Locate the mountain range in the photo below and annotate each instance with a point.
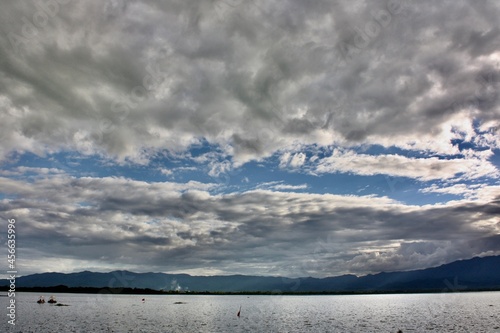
(472, 274)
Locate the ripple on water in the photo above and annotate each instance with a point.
(370, 313)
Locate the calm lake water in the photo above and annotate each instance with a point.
(467, 312)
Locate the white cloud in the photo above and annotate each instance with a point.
(285, 159)
(218, 168)
(166, 172)
(295, 160)
(298, 160)
(424, 169)
(465, 190)
(281, 187)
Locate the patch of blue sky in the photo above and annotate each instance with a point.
(495, 158)
(398, 188)
(264, 174)
(462, 144)
(201, 148)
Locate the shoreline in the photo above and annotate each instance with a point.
(146, 291)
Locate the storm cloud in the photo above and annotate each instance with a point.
(293, 91)
(182, 227)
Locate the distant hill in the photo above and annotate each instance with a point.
(476, 273)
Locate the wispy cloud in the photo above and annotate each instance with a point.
(425, 168)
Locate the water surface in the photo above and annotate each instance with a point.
(456, 312)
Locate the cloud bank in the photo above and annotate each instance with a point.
(117, 222)
(301, 98)
(126, 79)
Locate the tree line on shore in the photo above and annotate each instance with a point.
(147, 291)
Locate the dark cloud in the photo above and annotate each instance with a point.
(253, 80)
(118, 77)
(122, 222)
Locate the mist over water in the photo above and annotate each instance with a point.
(457, 312)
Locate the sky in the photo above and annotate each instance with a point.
(292, 138)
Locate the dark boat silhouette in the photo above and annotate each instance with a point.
(41, 300)
(52, 300)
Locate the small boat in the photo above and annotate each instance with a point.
(41, 300)
(52, 300)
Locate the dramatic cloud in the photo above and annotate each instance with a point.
(216, 136)
(127, 78)
(116, 222)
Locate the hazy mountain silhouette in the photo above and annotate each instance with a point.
(476, 273)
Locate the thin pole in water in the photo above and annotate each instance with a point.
(239, 312)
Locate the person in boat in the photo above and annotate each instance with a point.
(41, 300)
(52, 300)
